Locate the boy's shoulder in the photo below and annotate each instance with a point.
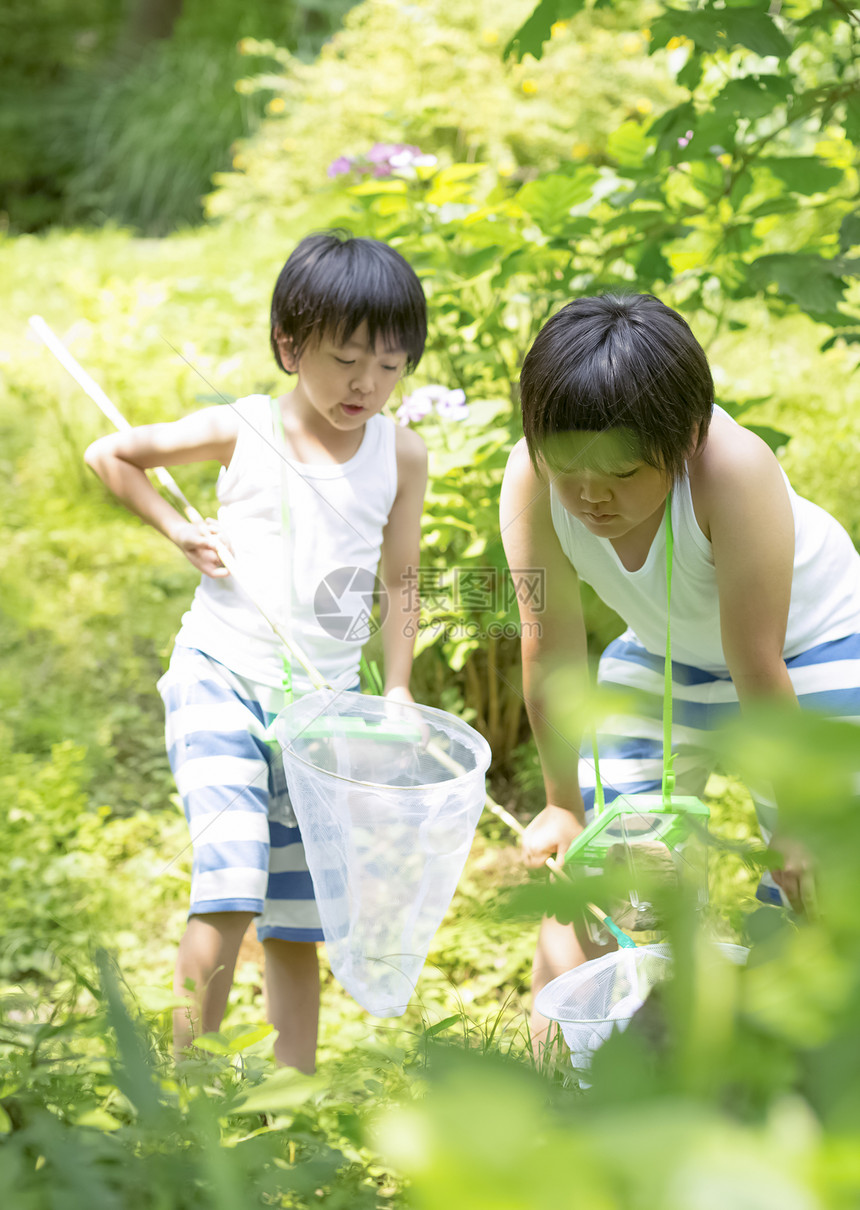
(520, 471)
(733, 471)
(409, 448)
(729, 456)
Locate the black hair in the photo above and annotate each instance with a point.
(618, 362)
(333, 281)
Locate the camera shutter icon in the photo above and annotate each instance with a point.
(344, 601)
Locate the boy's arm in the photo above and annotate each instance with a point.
(750, 523)
(751, 527)
(401, 553)
(121, 459)
(553, 638)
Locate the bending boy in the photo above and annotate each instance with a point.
(618, 410)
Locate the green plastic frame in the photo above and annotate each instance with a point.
(673, 825)
(346, 727)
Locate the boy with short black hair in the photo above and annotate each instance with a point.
(311, 483)
(619, 418)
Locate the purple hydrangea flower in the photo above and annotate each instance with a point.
(382, 160)
(453, 406)
(450, 405)
(340, 166)
(414, 407)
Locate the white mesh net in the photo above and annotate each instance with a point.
(386, 825)
(600, 996)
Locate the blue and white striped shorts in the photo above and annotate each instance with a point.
(248, 853)
(826, 679)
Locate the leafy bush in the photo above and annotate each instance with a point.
(752, 1096)
(431, 75)
(101, 126)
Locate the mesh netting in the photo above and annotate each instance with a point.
(387, 808)
(600, 996)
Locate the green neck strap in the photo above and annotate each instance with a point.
(668, 757)
(278, 426)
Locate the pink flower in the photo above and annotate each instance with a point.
(380, 153)
(414, 407)
(382, 160)
(453, 406)
(685, 138)
(339, 166)
(449, 405)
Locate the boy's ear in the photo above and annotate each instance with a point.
(285, 348)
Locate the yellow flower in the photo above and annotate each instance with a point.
(677, 42)
(725, 159)
(643, 106)
(558, 28)
(646, 33)
(489, 36)
(529, 87)
(245, 46)
(276, 105)
(579, 150)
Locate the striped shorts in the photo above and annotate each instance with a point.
(826, 679)
(248, 853)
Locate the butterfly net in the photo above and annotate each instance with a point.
(387, 799)
(603, 995)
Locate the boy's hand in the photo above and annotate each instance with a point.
(796, 878)
(399, 693)
(398, 700)
(198, 544)
(549, 834)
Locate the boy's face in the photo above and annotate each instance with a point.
(346, 382)
(601, 480)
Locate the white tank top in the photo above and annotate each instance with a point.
(337, 514)
(825, 588)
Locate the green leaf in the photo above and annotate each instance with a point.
(849, 338)
(537, 28)
(752, 96)
(852, 118)
(735, 408)
(285, 1089)
(849, 231)
(99, 1119)
(628, 144)
(756, 29)
(672, 124)
(374, 187)
(690, 75)
(652, 265)
(441, 1026)
(713, 30)
(245, 1038)
(550, 199)
(802, 173)
(136, 1076)
(472, 264)
(810, 281)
